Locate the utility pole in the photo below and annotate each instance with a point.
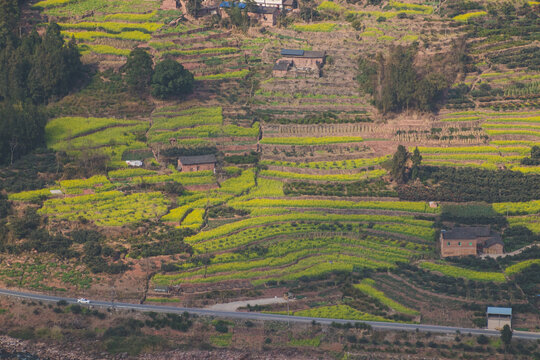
(286, 297)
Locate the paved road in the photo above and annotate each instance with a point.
(272, 317)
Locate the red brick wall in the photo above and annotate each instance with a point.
(198, 167)
(458, 247)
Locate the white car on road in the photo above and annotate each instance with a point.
(83, 301)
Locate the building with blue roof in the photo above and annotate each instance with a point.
(497, 317)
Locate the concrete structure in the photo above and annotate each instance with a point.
(470, 240)
(197, 163)
(300, 62)
(497, 317)
(265, 15)
(270, 3)
(136, 163)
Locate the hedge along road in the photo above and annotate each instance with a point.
(272, 317)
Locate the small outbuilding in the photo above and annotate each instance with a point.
(265, 15)
(497, 317)
(299, 63)
(281, 68)
(197, 163)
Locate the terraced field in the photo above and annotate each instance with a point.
(302, 198)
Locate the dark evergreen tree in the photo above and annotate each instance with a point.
(506, 335)
(139, 71)
(399, 165)
(9, 19)
(39, 68)
(22, 129)
(171, 80)
(416, 159)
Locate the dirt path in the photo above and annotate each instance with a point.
(233, 306)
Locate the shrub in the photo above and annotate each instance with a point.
(171, 80)
(221, 326)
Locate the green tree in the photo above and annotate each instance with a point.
(506, 335)
(171, 80)
(416, 159)
(39, 68)
(22, 129)
(139, 71)
(9, 20)
(429, 91)
(399, 164)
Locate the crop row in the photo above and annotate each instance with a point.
(319, 27)
(50, 3)
(426, 9)
(131, 17)
(520, 266)
(93, 35)
(367, 287)
(177, 214)
(207, 116)
(81, 8)
(337, 177)
(337, 204)
(264, 188)
(113, 27)
(518, 208)
(103, 49)
(383, 14)
(206, 131)
(228, 75)
(194, 219)
(458, 272)
(338, 312)
(513, 132)
(466, 17)
(129, 172)
(221, 50)
(484, 165)
(511, 126)
(311, 140)
(327, 165)
(478, 157)
(239, 184)
(530, 222)
(202, 177)
(525, 169)
(474, 150)
(31, 195)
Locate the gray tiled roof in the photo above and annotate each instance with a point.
(466, 232)
(197, 159)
